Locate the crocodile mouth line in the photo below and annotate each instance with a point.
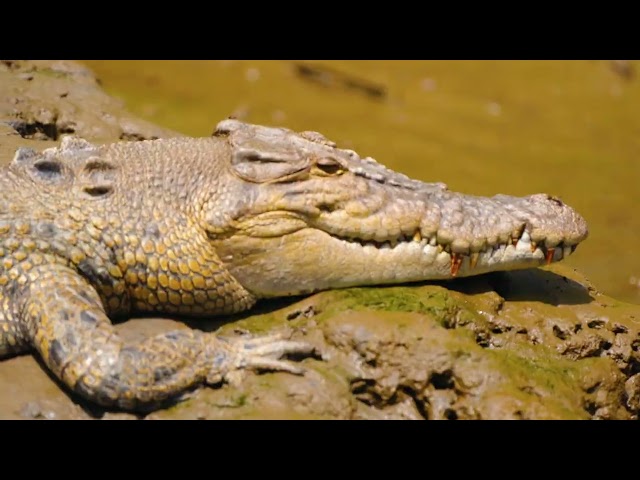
(525, 247)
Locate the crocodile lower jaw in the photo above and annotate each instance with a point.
(520, 253)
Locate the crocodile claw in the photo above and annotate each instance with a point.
(234, 355)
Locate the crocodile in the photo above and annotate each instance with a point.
(197, 227)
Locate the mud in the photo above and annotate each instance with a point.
(535, 344)
(42, 100)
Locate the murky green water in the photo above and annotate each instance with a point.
(570, 128)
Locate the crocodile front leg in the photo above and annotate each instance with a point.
(68, 326)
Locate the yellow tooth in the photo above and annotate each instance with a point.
(534, 245)
(473, 261)
(440, 248)
(417, 237)
(517, 233)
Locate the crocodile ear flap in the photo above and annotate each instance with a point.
(260, 166)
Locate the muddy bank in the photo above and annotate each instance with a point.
(524, 345)
(42, 100)
(542, 344)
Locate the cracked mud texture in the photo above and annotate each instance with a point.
(534, 344)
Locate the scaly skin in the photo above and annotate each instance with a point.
(207, 226)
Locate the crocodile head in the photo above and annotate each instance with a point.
(302, 215)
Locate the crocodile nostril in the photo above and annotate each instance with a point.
(556, 200)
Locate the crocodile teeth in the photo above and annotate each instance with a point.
(549, 256)
(534, 245)
(473, 261)
(440, 248)
(417, 237)
(566, 251)
(456, 261)
(517, 233)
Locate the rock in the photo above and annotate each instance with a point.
(551, 348)
(531, 344)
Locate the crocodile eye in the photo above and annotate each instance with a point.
(327, 166)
